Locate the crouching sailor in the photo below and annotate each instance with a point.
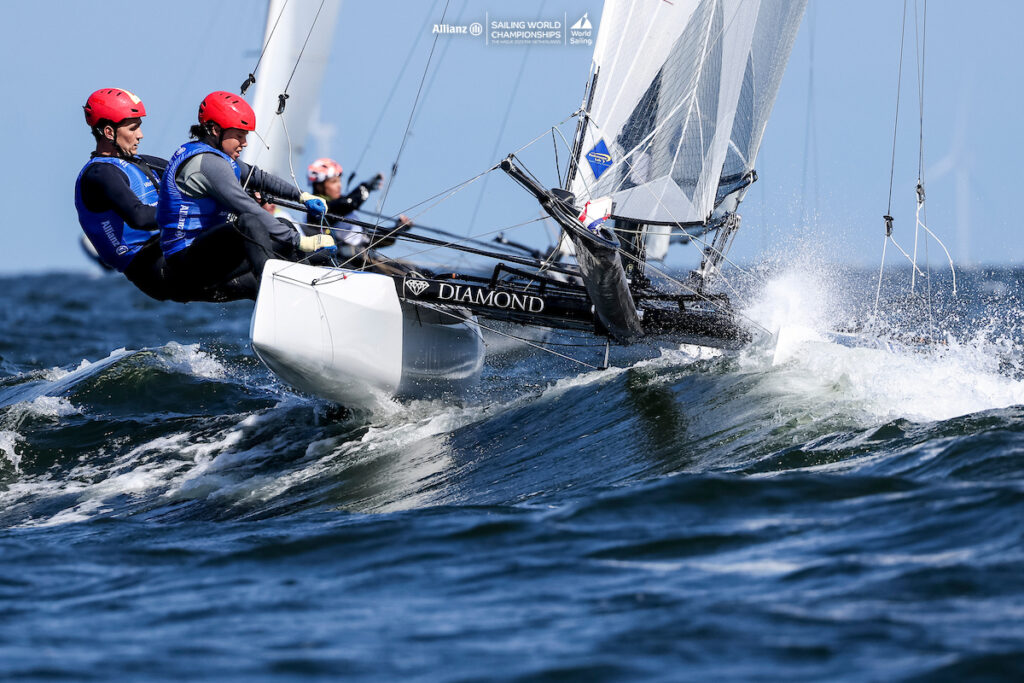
(324, 176)
(211, 229)
(116, 192)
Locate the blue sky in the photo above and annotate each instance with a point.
(828, 189)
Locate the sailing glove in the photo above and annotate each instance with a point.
(311, 243)
(313, 203)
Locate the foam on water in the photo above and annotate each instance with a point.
(188, 358)
(9, 440)
(867, 374)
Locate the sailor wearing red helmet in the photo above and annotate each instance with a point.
(205, 185)
(116, 192)
(325, 178)
(116, 196)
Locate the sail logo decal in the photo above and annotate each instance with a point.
(511, 301)
(599, 159)
(416, 286)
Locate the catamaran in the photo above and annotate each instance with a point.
(675, 108)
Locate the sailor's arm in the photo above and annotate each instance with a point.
(268, 183)
(342, 206)
(209, 175)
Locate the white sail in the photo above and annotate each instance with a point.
(279, 59)
(777, 25)
(665, 116)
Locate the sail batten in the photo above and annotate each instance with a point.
(681, 103)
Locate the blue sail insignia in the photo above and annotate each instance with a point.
(599, 159)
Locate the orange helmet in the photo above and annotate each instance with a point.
(322, 169)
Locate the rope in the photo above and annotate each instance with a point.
(284, 95)
(881, 269)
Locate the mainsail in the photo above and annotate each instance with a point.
(288, 24)
(679, 99)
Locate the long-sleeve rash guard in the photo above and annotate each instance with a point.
(342, 206)
(210, 175)
(105, 188)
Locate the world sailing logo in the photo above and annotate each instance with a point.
(583, 24)
(599, 159)
(582, 32)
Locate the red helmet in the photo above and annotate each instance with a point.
(112, 104)
(227, 110)
(322, 169)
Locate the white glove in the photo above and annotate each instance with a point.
(313, 243)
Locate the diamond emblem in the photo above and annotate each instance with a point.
(416, 286)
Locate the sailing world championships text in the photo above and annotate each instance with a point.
(525, 30)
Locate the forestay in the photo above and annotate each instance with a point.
(682, 94)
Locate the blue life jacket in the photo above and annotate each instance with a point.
(183, 218)
(115, 241)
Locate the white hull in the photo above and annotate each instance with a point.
(345, 336)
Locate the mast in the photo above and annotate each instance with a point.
(581, 129)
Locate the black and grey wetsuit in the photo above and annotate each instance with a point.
(238, 247)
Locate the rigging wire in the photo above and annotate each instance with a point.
(501, 129)
(283, 97)
(810, 135)
(394, 89)
(455, 189)
(892, 166)
(700, 244)
(920, 214)
(252, 74)
(477, 236)
(921, 209)
(408, 125)
(445, 45)
(457, 316)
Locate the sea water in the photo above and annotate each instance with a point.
(810, 507)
